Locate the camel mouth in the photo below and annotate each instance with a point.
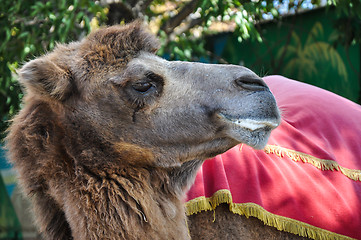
(253, 132)
(251, 124)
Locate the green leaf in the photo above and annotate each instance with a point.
(23, 35)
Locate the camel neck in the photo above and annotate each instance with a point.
(128, 203)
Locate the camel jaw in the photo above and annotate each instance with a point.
(253, 132)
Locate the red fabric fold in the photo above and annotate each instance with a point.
(315, 122)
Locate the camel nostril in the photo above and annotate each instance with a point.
(252, 83)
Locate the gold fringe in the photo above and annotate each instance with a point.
(253, 210)
(321, 164)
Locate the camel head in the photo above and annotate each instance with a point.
(111, 92)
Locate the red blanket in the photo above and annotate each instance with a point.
(307, 180)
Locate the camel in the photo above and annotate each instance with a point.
(111, 136)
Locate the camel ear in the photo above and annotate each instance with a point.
(47, 78)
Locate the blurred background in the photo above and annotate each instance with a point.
(313, 41)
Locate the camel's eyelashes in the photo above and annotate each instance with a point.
(150, 83)
(142, 87)
(144, 90)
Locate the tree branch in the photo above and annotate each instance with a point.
(189, 25)
(140, 7)
(195, 22)
(218, 58)
(176, 20)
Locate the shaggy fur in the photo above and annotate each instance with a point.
(97, 151)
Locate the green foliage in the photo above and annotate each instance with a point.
(244, 13)
(347, 27)
(241, 16)
(351, 8)
(29, 28)
(182, 44)
(183, 48)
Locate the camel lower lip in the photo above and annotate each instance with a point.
(251, 124)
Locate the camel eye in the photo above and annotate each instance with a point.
(143, 90)
(149, 82)
(142, 87)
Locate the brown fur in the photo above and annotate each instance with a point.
(89, 193)
(100, 158)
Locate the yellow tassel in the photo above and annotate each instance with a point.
(253, 210)
(321, 164)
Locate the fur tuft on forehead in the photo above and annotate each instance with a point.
(118, 44)
(59, 73)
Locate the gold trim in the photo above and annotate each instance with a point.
(321, 164)
(251, 209)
